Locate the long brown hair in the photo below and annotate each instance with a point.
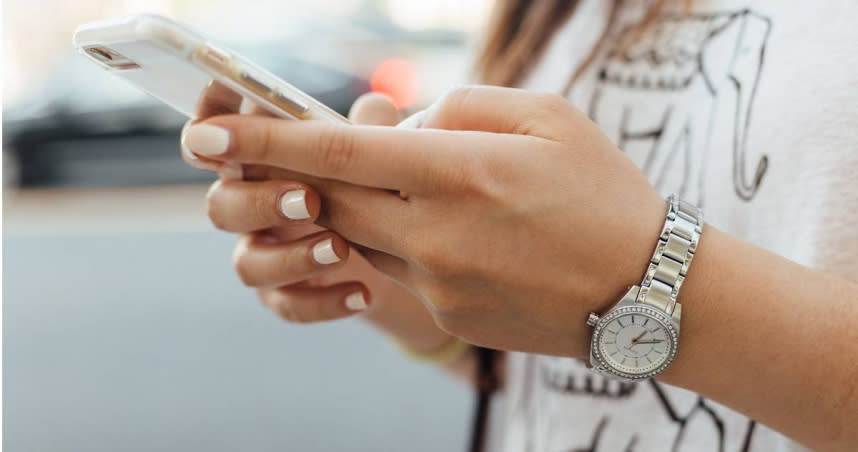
(520, 30)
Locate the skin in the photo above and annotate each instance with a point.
(510, 217)
(312, 293)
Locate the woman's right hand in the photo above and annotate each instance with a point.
(301, 271)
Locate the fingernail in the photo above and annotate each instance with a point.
(231, 171)
(356, 301)
(293, 205)
(206, 139)
(195, 161)
(190, 155)
(323, 252)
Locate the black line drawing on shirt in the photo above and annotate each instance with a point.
(559, 377)
(718, 57)
(700, 408)
(597, 436)
(587, 383)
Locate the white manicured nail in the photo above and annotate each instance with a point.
(323, 252)
(206, 139)
(195, 161)
(356, 301)
(293, 205)
(190, 155)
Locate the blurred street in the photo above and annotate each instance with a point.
(133, 333)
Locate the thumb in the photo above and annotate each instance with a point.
(375, 110)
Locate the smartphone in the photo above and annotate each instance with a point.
(190, 73)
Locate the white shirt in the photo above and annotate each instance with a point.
(747, 108)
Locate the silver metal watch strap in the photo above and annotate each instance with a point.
(672, 257)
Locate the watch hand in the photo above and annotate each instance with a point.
(635, 340)
(651, 341)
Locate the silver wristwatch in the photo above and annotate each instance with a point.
(638, 337)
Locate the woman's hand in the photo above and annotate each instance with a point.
(509, 213)
(304, 272)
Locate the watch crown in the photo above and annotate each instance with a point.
(592, 319)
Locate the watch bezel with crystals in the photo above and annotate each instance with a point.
(623, 308)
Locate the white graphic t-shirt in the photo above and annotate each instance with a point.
(750, 110)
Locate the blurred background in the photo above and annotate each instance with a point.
(124, 327)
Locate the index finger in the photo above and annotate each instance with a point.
(375, 156)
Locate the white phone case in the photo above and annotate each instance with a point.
(187, 72)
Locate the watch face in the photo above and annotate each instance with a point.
(635, 342)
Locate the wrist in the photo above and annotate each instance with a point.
(698, 318)
(638, 337)
(400, 315)
(631, 253)
(449, 352)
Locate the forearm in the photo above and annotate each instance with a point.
(771, 339)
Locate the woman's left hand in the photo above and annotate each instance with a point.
(509, 213)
